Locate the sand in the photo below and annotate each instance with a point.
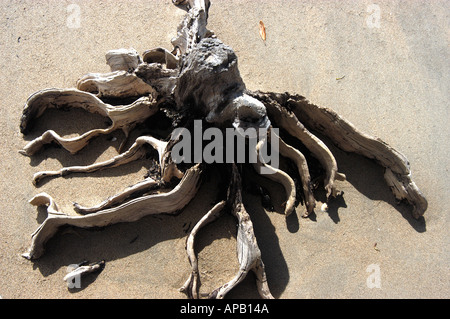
(384, 67)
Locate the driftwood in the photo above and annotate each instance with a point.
(199, 79)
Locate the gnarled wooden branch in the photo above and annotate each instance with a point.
(130, 211)
(350, 139)
(278, 176)
(249, 255)
(123, 117)
(191, 285)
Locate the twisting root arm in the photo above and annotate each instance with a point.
(122, 117)
(289, 122)
(191, 285)
(249, 255)
(347, 137)
(135, 152)
(140, 188)
(130, 211)
(300, 161)
(277, 176)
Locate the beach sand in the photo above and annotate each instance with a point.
(384, 67)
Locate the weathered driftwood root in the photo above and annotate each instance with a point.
(248, 253)
(123, 117)
(278, 176)
(191, 285)
(199, 79)
(116, 84)
(168, 170)
(288, 110)
(136, 151)
(130, 211)
(148, 184)
(123, 82)
(289, 122)
(302, 166)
